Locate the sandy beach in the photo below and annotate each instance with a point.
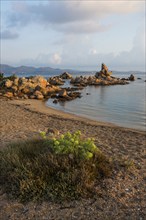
(121, 197)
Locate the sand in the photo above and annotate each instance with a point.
(121, 197)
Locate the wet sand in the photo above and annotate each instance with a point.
(123, 197)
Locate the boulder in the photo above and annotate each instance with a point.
(65, 75)
(62, 93)
(14, 88)
(27, 90)
(39, 80)
(104, 68)
(131, 78)
(8, 83)
(38, 95)
(8, 94)
(56, 81)
(15, 82)
(55, 101)
(103, 72)
(32, 96)
(25, 96)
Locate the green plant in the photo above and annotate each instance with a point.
(73, 144)
(43, 134)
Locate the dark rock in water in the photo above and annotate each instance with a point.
(62, 93)
(74, 95)
(65, 75)
(124, 79)
(55, 81)
(55, 101)
(53, 96)
(131, 78)
(139, 78)
(67, 96)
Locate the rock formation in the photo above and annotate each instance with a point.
(65, 75)
(103, 72)
(27, 87)
(131, 78)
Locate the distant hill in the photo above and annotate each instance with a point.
(29, 70)
(48, 71)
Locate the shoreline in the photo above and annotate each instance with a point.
(40, 106)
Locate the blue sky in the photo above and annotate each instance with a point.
(73, 34)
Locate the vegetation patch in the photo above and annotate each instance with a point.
(62, 168)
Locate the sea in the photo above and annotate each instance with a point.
(122, 105)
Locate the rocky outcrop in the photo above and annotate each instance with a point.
(131, 78)
(63, 96)
(104, 73)
(55, 81)
(102, 78)
(65, 75)
(62, 93)
(27, 87)
(93, 80)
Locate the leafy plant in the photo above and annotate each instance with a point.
(73, 144)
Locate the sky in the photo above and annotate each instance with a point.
(73, 34)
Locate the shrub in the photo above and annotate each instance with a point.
(73, 145)
(64, 168)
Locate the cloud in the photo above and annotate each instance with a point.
(137, 55)
(50, 59)
(55, 59)
(70, 16)
(83, 27)
(93, 51)
(7, 35)
(74, 55)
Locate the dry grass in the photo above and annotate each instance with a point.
(31, 170)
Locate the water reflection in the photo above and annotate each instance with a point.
(123, 105)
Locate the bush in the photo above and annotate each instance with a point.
(64, 168)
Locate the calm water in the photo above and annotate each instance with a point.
(122, 105)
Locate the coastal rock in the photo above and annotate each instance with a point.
(32, 97)
(104, 73)
(38, 95)
(55, 101)
(65, 75)
(14, 88)
(15, 82)
(25, 96)
(56, 81)
(39, 80)
(27, 90)
(52, 89)
(131, 78)
(8, 94)
(62, 93)
(8, 83)
(74, 95)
